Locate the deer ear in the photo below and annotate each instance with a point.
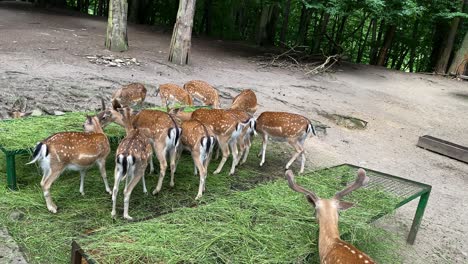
(310, 200)
(342, 205)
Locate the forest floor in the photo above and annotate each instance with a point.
(43, 57)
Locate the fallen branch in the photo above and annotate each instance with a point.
(326, 65)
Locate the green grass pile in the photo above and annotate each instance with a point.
(236, 220)
(267, 224)
(24, 133)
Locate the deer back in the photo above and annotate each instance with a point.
(192, 133)
(245, 100)
(282, 124)
(81, 148)
(343, 252)
(203, 91)
(219, 121)
(160, 123)
(129, 95)
(175, 92)
(136, 144)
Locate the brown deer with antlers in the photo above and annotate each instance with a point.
(293, 128)
(131, 160)
(331, 248)
(199, 140)
(129, 95)
(171, 93)
(246, 101)
(203, 92)
(75, 151)
(18, 110)
(164, 138)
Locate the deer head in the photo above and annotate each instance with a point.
(331, 248)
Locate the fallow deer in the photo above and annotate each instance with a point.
(171, 93)
(129, 95)
(131, 160)
(165, 135)
(18, 109)
(227, 129)
(331, 248)
(203, 92)
(75, 151)
(293, 128)
(246, 101)
(244, 139)
(199, 140)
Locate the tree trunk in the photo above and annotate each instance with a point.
(179, 51)
(401, 59)
(86, 7)
(266, 25)
(323, 30)
(459, 62)
(284, 27)
(441, 66)
(133, 11)
(363, 45)
(303, 25)
(79, 5)
(206, 19)
(100, 11)
(376, 41)
(386, 45)
(116, 37)
(414, 43)
(339, 35)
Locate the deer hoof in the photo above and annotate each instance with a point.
(198, 197)
(155, 192)
(129, 218)
(52, 209)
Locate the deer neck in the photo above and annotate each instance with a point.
(327, 215)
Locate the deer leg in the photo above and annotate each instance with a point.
(102, 168)
(150, 161)
(172, 160)
(235, 156)
(47, 183)
(145, 191)
(225, 150)
(264, 146)
(161, 154)
(138, 173)
(117, 178)
(299, 151)
(202, 170)
(195, 171)
(246, 151)
(82, 176)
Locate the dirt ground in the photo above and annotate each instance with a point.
(43, 58)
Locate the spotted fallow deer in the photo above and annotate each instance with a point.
(164, 136)
(331, 248)
(199, 140)
(18, 109)
(72, 150)
(129, 95)
(244, 140)
(293, 128)
(171, 93)
(246, 101)
(227, 129)
(203, 92)
(131, 160)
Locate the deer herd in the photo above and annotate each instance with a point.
(201, 132)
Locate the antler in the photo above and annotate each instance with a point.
(103, 104)
(293, 185)
(361, 180)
